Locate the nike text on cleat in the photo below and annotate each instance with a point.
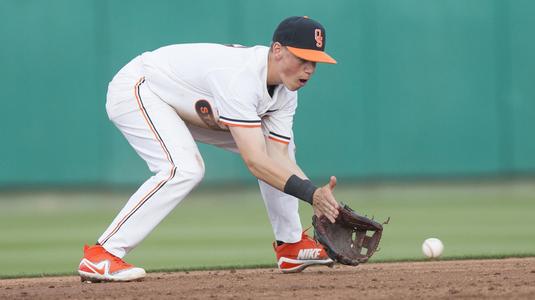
(313, 253)
(295, 257)
(100, 265)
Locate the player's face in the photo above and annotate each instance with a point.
(295, 72)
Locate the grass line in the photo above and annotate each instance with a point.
(458, 257)
(56, 225)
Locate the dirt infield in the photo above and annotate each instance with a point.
(512, 278)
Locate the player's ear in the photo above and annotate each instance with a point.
(276, 49)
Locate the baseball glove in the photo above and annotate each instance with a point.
(346, 239)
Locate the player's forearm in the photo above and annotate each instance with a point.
(271, 171)
(280, 153)
(283, 178)
(289, 164)
(297, 170)
(268, 162)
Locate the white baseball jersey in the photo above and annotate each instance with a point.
(214, 86)
(165, 100)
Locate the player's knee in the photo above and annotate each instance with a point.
(193, 170)
(186, 172)
(196, 174)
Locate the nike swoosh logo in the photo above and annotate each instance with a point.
(100, 271)
(99, 268)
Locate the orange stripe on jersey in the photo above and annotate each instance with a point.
(240, 125)
(278, 140)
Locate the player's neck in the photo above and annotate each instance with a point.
(273, 77)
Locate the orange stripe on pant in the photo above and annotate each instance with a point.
(162, 144)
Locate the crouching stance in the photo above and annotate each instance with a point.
(241, 99)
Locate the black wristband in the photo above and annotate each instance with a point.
(302, 189)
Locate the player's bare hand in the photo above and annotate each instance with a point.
(324, 202)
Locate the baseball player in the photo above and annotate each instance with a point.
(241, 99)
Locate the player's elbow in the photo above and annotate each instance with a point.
(254, 164)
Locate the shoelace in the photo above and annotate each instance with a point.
(119, 261)
(306, 236)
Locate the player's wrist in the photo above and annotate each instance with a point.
(300, 188)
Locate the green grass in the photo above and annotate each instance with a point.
(43, 233)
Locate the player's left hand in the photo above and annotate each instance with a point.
(353, 239)
(324, 203)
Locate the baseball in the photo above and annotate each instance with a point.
(432, 247)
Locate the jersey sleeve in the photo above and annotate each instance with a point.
(278, 125)
(236, 99)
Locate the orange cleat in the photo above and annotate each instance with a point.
(100, 265)
(295, 257)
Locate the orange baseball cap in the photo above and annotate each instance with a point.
(304, 38)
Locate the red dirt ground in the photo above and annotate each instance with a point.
(512, 278)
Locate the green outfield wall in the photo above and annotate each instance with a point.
(422, 88)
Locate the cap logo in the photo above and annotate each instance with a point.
(319, 37)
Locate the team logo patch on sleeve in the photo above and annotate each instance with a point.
(205, 112)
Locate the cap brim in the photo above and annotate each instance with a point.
(312, 55)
